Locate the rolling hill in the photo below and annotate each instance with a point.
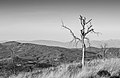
(19, 57)
(42, 53)
(50, 54)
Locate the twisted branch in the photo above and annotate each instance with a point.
(75, 38)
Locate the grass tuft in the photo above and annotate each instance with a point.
(74, 70)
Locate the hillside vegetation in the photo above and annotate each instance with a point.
(109, 68)
(18, 58)
(41, 53)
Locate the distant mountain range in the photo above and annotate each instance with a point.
(93, 43)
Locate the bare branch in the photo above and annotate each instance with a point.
(77, 43)
(89, 27)
(75, 38)
(81, 17)
(91, 30)
(62, 23)
(89, 21)
(70, 31)
(82, 20)
(72, 41)
(96, 32)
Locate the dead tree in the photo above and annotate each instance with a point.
(104, 49)
(86, 29)
(12, 55)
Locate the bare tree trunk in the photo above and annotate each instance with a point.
(83, 55)
(83, 52)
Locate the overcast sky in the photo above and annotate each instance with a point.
(41, 19)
